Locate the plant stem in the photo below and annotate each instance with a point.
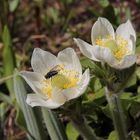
(117, 114)
(82, 127)
(54, 125)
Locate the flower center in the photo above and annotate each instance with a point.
(65, 78)
(118, 47)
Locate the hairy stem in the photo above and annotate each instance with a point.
(117, 114)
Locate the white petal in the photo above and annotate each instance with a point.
(101, 28)
(80, 89)
(35, 100)
(104, 54)
(85, 48)
(70, 93)
(126, 30)
(69, 58)
(131, 45)
(33, 79)
(127, 61)
(57, 96)
(42, 61)
(84, 82)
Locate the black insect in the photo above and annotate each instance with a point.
(54, 71)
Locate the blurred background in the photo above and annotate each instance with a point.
(50, 25)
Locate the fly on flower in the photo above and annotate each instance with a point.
(53, 72)
(55, 80)
(116, 49)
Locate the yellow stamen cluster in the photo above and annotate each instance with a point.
(61, 67)
(99, 42)
(72, 77)
(64, 79)
(119, 48)
(47, 88)
(122, 48)
(109, 37)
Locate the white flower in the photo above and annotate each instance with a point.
(116, 49)
(68, 83)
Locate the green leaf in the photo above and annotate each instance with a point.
(134, 110)
(5, 98)
(126, 96)
(40, 123)
(138, 48)
(13, 5)
(106, 111)
(134, 135)
(131, 82)
(128, 13)
(126, 100)
(29, 115)
(99, 97)
(20, 121)
(113, 136)
(54, 13)
(95, 84)
(130, 102)
(8, 59)
(3, 110)
(138, 90)
(87, 63)
(3, 79)
(54, 126)
(71, 132)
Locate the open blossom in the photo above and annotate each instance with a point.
(55, 80)
(116, 49)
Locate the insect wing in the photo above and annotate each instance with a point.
(55, 68)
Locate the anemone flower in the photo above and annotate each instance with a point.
(115, 49)
(55, 80)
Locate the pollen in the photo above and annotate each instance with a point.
(47, 88)
(61, 67)
(109, 37)
(118, 47)
(122, 48)
(66, 78)
(99, 41)
(73, 79)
